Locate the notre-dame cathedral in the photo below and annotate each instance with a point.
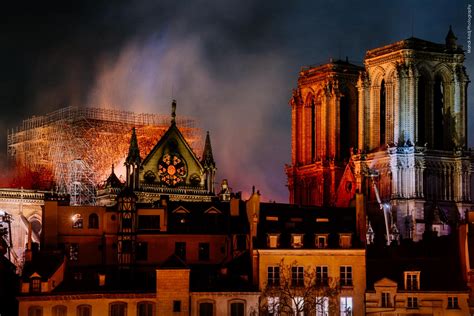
(396, 127)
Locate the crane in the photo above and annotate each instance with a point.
(384, 207)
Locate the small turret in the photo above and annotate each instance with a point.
(209, 164)
(451, 40)
(133, 161)
(173, 112)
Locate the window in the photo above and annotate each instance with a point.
(35, 311)
(385, 299)
(84, 310)
(118, 309)
(180, 250)
(345, 240)
(412, 280)
(297, 240)
(93, 221)
(59, 310)
(322, 306)
(412, 302)
(77, 221)
(142, 250)
(145, 308)
(203, 251)
(322, 275)
(206, 309)
(127, 221)
(321, 241)
(346, 306)
(149, 222)
(346, 275)
(241, 242)
(297, 276)
(453, 302)
(176, 306)
(273, 240)
(237, 309)
(126, 246)
(273, 276)
(298, 306)
(35, 284)
(273, 305)
(73, 252)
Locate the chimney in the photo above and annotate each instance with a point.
(361, 217)
(234, 206)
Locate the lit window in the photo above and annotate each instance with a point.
(298, 306)
(273, 240)
(84, 310)
(77, 221)
(322, 275)
(93, 221)
(273, 305)
(297, 276)
(204, 251)
(453, 302)
(321, 241)
(412, 302)
(412, 280)
(118, 309)
(237, 309)
(35, 285)
(273, 276)
(346, 306)
(35, 311)
(73, 252)
(176, 307)
(346, 275)
(322, 306)
(59, 310)
(297, 240)
(145, 308)
(345, 240)
(206, 309)
(385, 299)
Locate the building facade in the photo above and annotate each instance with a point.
(399, 123)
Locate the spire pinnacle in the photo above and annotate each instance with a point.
(451, 39)
(173, 112)
(207, 156)
(133, 151)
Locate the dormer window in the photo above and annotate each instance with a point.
(345, 240)
(297, 240)
(273, 240)
(35, 283)
(321, 241)
(412, 280)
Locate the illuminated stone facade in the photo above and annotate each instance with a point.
(402, 118)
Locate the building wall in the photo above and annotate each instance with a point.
(222, 301)
(430, 303)
(309, 259)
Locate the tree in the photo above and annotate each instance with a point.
(297, 290)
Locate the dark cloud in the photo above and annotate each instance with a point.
(231, 64)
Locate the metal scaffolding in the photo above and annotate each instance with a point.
(73, 148)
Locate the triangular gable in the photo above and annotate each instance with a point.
(35, 275)
(212, 210)
(346, 189)
(180, 210)
(385, 282)
(165, 138)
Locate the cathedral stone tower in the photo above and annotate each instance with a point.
(409, 129)
(323, 108)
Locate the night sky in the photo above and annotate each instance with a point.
(230, 64)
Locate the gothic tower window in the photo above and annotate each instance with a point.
(383, 111)
(438, 105)
(421, 138)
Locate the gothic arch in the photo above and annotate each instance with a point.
(443, 71)
(377, 75)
